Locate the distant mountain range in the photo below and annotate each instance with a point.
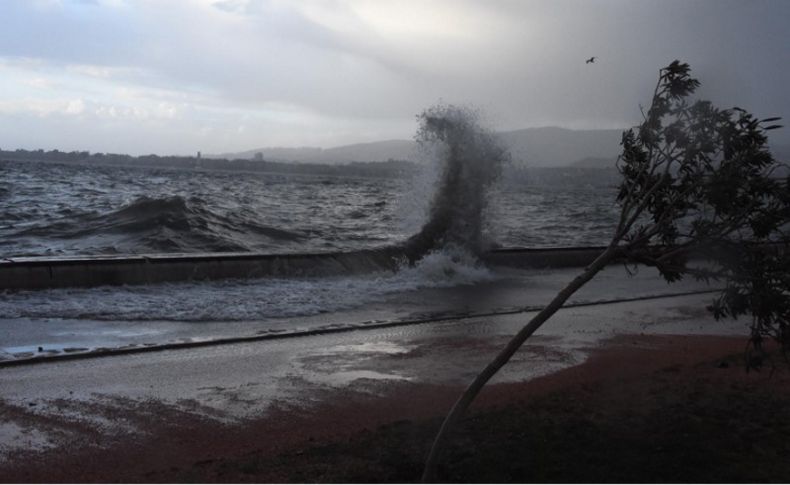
(560, 147)
(532, 147)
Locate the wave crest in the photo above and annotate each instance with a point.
(172, 223)
(470, 160)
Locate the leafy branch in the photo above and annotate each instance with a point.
(695, 180)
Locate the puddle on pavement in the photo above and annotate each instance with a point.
(383, 347)
(346, 377)
(14, 437)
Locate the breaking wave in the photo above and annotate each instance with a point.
(470, 159)
(245, 300)
(166, 224)
(467, 158)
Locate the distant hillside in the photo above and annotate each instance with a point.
(595, 162)
(534, 147)
(560, 147)
(781, 152)
(379, 151)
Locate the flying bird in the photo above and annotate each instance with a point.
(590, 60)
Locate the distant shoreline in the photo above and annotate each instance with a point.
(389, 169)
(395, 168)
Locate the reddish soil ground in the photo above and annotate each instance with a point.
(642, 409)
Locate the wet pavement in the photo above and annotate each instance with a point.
(58, 403)
(55, 323)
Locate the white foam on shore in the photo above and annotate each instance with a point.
(243, 300)
(441, 269)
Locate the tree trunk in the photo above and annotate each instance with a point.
(504, 356)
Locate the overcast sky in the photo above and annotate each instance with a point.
(175, 77)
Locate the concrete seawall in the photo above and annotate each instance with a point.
(543, 257)
(87, 271)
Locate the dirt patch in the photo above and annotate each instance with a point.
(642, 409)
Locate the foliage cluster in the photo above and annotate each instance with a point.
(696, 179)
(699, 179)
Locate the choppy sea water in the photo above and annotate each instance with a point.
(60, 209)
(57, 209)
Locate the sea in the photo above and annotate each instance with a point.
(471, 198)
(51, 209)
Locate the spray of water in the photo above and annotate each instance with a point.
(470, 159)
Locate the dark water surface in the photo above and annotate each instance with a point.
(60, 209)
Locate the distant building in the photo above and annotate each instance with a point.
(258, 157)
(198, 156)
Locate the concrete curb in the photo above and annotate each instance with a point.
(32, 273)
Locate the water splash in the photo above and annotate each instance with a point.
(470, 160)
(246, 300)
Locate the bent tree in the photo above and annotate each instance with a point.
(695, 180)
